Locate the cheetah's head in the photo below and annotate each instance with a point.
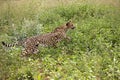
(70, 25)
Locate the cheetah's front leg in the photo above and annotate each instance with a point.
(30, 50)
(26, 52)
(68, 38)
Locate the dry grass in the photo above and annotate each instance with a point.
(21, 6)
(105, 2)
(54, 3)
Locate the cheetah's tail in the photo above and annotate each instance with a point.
(8, 45)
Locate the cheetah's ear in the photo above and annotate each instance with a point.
(68, 23)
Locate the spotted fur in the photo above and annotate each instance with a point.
(49, 39)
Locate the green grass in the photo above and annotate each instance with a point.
(92, 54)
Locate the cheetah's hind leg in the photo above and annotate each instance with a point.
(24, 53)
(30, 50)
(36, 51)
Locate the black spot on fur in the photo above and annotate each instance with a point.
(3, 43)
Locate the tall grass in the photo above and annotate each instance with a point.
(92, 53)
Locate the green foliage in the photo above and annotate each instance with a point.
(92, 54)
(26, 76)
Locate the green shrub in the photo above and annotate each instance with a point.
(92, 53)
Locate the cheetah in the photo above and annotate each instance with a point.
(49, 39)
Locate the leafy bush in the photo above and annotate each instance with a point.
(92, 53)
